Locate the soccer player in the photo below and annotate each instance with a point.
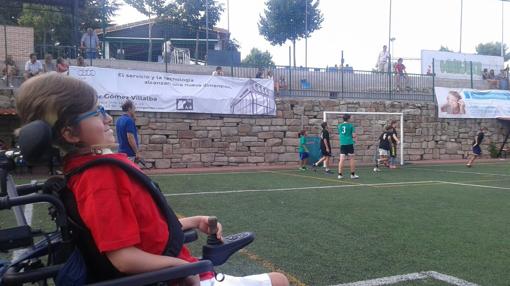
(477, 151)
(346, 133)
(325, 148)
(303, 150)
(384, 148)
(394, 142)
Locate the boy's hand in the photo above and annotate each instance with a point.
(204, 227)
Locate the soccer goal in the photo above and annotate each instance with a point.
(334, 114)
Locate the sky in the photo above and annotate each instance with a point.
(360, 28)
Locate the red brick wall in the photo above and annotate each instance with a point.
(20, 42)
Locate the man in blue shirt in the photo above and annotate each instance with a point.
(127, 135)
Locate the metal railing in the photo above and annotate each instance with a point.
(346, 83)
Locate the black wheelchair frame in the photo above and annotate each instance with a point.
(42, 259)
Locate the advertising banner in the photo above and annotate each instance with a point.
(457, 65)
(165, 92)
(471, 103)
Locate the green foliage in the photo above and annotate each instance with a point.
(286, 20)
(44, 19)
(493, 150)
(147, 7)
(444, 49)
(192, 12)
(10, 12)
(492, 49)
(257, 58)
(54, 24)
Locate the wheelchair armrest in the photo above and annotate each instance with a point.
(166, 274)
(13, 277)
(190, 235)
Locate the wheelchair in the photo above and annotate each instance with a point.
(47, 254)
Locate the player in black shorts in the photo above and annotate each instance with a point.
(477, 151)
(325, 148)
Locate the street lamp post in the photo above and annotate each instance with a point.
(461, 12)
(206, 31)
(502, 26)
(306, 34)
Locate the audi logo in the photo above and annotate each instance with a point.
(86, 72)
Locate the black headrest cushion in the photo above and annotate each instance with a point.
(35, 142)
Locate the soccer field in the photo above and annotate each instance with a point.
(445, 219)
(417, 225)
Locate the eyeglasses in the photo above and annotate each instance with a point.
(100, 111)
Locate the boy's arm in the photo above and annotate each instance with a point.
(132, 260)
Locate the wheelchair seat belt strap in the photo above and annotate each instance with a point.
(176, 235)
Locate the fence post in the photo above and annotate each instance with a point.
(434, 80)
(471, 72)
(342, 80)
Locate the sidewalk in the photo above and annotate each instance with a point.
(229, 169)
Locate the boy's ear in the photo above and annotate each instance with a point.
(69, 135)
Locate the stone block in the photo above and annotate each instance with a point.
(157, 139)
(255, 159)
(191, 158)
(274, 142)
(229, 131)
(186, 134)
(162, 164)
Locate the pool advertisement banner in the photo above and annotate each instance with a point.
(472, 103)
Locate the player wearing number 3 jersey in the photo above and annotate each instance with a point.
(346, 132)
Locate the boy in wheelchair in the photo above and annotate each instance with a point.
(124, 221)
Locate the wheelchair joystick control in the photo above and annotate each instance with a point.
(212, 239)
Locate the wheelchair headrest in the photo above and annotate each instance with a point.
(35, 142)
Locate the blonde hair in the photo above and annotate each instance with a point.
(56, 99)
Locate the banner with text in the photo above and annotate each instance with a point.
(457, 65)
(165, 92)
(472, 103)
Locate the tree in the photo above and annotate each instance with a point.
(56, 22)
(260, 59)
(492, 49)
(10, 12)
(44, 19)
(148, 8)
(287, 20)
(193, 14)
(445, 49)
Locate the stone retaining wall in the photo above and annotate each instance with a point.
(170, 140)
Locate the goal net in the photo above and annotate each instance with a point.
(368, 126)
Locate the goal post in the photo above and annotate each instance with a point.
(400, 114)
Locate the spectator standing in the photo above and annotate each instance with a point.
(10, 70)
(218, 71)
(90, 44)
(491, 79)
(33, 67)
(168, 51)
(503, 79)
(383, 59)
(400, 71)
(127, 135)
(260, 73)
(62, 66)
(48, 65)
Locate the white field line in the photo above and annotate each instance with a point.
(387, 280)
(452, 280)
(473, 185)
(211, 173)
(302, 188)
(29, 210)
(411, 277)
(464, 172)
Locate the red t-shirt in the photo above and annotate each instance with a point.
(117, 210)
